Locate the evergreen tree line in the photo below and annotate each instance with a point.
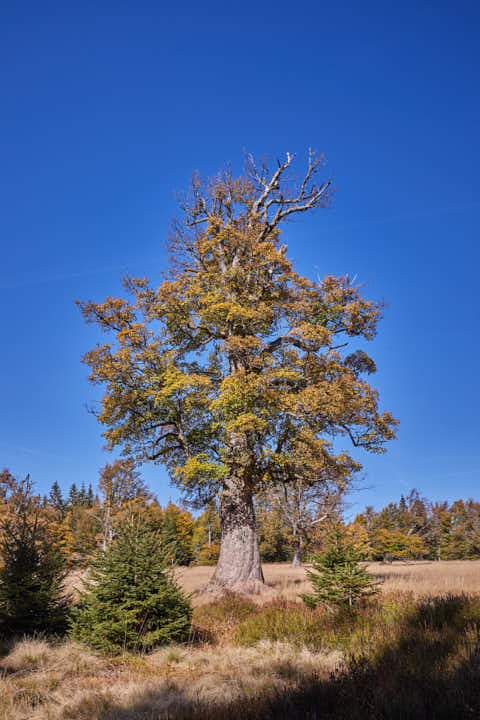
(78, 522)
(416, 528)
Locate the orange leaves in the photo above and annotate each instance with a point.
(397, 543)
(113, 314)
(316, 336)
(346, 311)
(134, 335)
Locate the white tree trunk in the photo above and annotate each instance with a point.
(297, 559)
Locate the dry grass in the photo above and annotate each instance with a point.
(401, 657)
(418, 654)
(66, 682)
(422, 578)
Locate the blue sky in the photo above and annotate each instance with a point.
(107, 108)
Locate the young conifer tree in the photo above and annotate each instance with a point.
(237, 372)
(32, 572)
(338, 579)
(132, 601)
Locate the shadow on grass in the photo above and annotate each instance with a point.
(429, 671)
(6, 645)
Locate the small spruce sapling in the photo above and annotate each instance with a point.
(338, 579)
(132, 601)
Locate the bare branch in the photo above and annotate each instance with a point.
(269, 188)
(278, 199)
(288, 340)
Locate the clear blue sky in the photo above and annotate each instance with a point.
(106, 108)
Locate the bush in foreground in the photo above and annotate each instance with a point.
(132, 600)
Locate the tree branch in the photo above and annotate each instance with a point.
(277, 200)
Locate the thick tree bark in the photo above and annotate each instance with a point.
(239, 568)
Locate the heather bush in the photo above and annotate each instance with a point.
(219, 619)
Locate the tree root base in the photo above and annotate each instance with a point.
(247, 587)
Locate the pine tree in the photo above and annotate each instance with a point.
(56, 500)
(170, 536)
(73, 496)
(82, 495)
(337, 578)
(132, 600)
(32, 572)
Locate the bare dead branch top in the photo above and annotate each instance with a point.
(261, 199)
(279, 196)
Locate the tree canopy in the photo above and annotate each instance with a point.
(237, 372)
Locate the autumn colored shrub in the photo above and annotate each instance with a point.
(209, 554)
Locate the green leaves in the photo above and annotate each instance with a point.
(200, 470)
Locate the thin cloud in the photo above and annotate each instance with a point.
(60, 277)
(30, 451)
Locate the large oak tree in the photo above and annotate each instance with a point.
(236, 372)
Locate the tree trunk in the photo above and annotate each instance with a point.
(297, 559)
(239, 568)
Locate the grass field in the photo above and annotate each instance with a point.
(414, 652)
(421, 578)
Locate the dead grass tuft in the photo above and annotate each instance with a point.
(29, 654)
